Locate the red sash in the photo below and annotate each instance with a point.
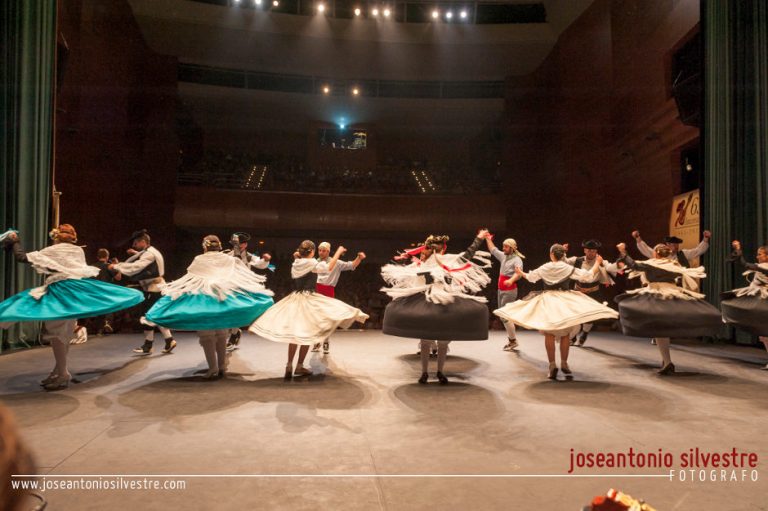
(326, 290)
(502, 287)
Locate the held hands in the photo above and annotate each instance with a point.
(266, 257)
(707, 235)
(482, 234)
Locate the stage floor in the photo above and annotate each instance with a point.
(391, 441)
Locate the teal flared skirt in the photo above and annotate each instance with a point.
(205, 312)
(69, 299)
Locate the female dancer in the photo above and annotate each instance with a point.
(556, 310)
(306, 317)
(662, 309)
(747, 307)
(433, 298)
(69, 293)
(218, 292)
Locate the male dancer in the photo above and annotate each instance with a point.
(326, 282)
(239, 242)
(510, 258)
(593, 289)
(683, 256)
(146, 266)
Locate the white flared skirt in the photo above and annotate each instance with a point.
(555, 312)
(305, 318)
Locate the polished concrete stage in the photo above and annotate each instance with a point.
(363, 414)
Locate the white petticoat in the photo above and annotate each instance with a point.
(305, 318)
(555, 312)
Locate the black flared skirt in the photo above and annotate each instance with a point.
(647, 315)
(415, 317)
(749, 313)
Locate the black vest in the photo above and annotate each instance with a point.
(558, 286)
(150, 272)
(683, 260)
(306, 282)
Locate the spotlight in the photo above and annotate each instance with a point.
(463, 15)
(321, 8)
(375, 12)
(357, 11)
(435, 14)
(355, 91)
(235, 2)
(275, 3)
(387, 12)
(257, 2)
(449, 15)
(326, 89)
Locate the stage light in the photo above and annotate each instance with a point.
(387, 12)
(275, 3)
(355, 91)
(257, 2)
(375, 12)
(326, 89)
(463, 15)
(357, 11)
(449, 15)
(235, 2)
(321, 8)
(435, 14)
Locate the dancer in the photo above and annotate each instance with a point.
(326, 282)
(556, 310)
(510, 259)
(683, 256)
(104, 323)
(239, 242)
(747, 307)
(68, 293)
(593, 289)
(217, 292)
(434, 300)
(662, 309)
(146, 266)
(305, 317)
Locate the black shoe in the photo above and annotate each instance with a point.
(144, 349)
(667, 369)
(442, 378)
(583, 338)
(567, 372)
(552, 373)
(234, 339)
(326, 347)
(169, 345)
(424, 378)
(573, 340)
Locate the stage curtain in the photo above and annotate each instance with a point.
(28, 35)
(735, 134)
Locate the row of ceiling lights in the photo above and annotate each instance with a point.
(327, 90)
(375, 11)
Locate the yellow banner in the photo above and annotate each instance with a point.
(684, 219)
